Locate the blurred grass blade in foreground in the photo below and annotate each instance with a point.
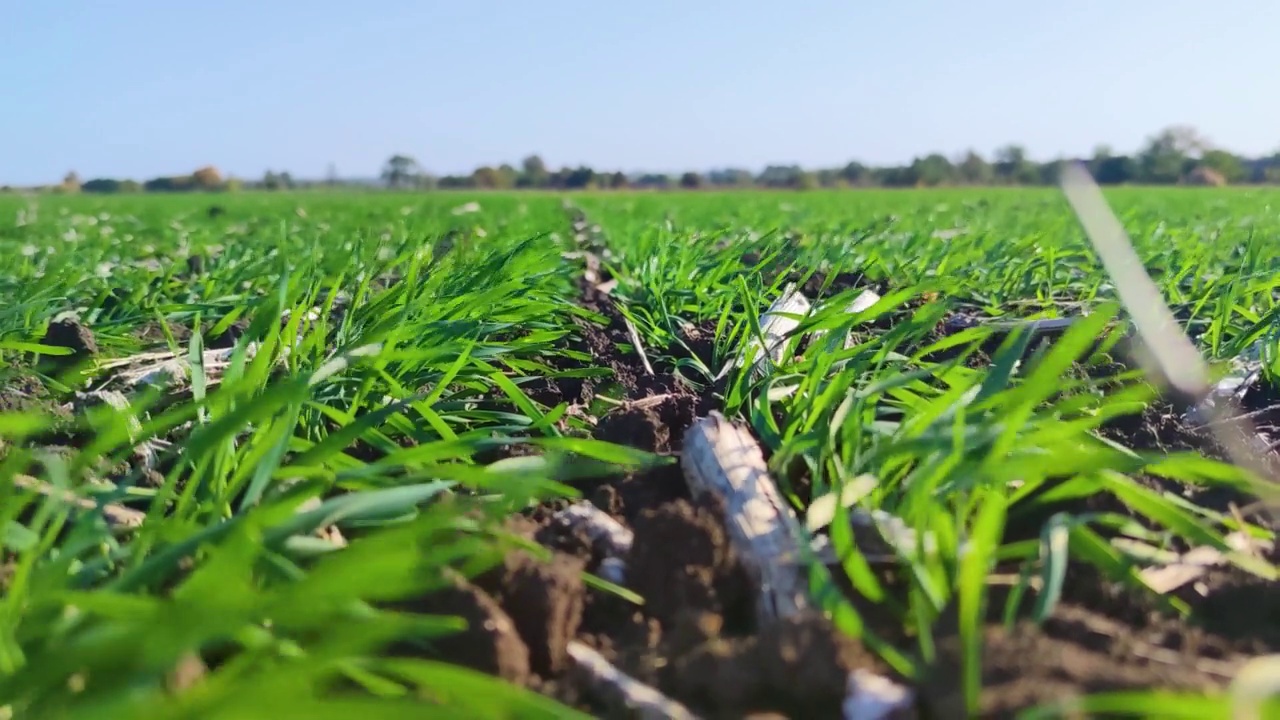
(1165, 351)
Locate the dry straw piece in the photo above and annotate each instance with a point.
(722, 459)
(611, 537)
(776, 323)
(639, 700)
(116, 515)
(170, 370)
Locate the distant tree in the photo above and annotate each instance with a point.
(578, 178)
(1101, 154)
(180, 183)
(1012, 166)
(804, 180)
(1203, 175)
(933, 169)
(484, 177)
(277, 181)
(855, 173)
(1170, 154)
(780, 176)
(206, 178)
(730, 177)
(533, 173)
(71, 182)
(1224, 163)
(1266, 169)
(400, 171)
(331, 175)
(507, 176)
(618, 180)
(455, 182)
(101, 185)
(691, 181)
(1114, 169)
(829, 178)
(894, 176)
(653, 180)
(973, 169)
(1051, 171)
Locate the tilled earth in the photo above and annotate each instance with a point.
(697, 638)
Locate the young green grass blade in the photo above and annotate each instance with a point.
(974, 566)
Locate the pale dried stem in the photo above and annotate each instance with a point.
(117, 515)
(775, 324)
(1193, 564)
(722, 459)
(637, 699)
(172, 370)
(863, 302)
(635, 340)
(610, 536)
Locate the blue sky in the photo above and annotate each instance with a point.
(139, 88)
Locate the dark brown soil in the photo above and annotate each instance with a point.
(21, 392)
(636, 492)
(648, 424)
(545, 600)
(151, 333)
(1028, 666)
(72, 335)
(682, 562)
(697, 637)
(798, 668)
(700, 339)
(491, 642)
(228, 336)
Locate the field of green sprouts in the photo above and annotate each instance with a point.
(324, 455)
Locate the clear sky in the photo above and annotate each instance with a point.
(140, 88)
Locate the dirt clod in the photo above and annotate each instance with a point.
(228, 336)
(72, 335)
(681, 561)
(656, 423)
(21, 392)
(545, 600)
(1023, 667)
(490, 643)
(798, 667)
(637, 427)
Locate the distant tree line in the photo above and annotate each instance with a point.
(1175, 155)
